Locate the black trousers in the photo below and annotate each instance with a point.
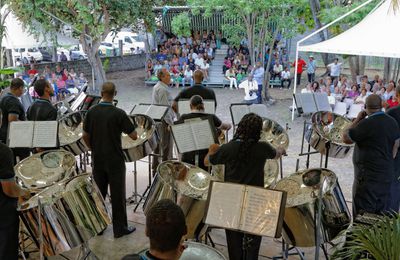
(9, 240)
(311, 77)
(235, 245)
(289, 81)
(113, 175)
(298, 75)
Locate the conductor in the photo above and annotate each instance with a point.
(103, 125)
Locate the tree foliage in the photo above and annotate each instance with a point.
(93, 19)
(181, 25)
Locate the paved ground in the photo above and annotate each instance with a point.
(131, 90)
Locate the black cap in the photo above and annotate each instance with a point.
(196, 100)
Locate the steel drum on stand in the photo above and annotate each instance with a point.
(185, 184)
(44, 169)
(145, 143)
(70, 131)
(72, 212)
(198, 251)
(303, 189)
(327, 129)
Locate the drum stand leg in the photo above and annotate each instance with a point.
(286, 252)
(133, 199)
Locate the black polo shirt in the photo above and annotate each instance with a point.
(197, 89)
(105, 123)
(373, 152)
(237, 170)
(8, 206)
(10, 104)
(191, 156)
(41, 110)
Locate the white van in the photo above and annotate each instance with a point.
(130, 41)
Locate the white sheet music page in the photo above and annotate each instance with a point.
(20, 134)
(184, 138)
(259, 109)
(203, 135)
(209, 106)
(45, 134)
(156, 112)
(261, 211)
(184, 107)
(225, 205)
(238, 112)
(140, 109)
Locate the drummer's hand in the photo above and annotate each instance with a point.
(279, 152)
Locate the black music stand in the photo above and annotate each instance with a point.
(238, 110)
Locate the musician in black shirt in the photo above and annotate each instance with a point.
(103, 125)
(197, 112)
(13, 111)
(197, 89)
(42, 109)
(9, 192)
(244, 158)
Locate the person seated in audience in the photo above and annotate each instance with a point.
(227, 65)
(277, 70)
(70, 82)
(285, 78)
(166, 229)
(353, 93)
(166, 65)
(244, 63)
(61, 86)
(204, 67)
(231, 76)
(362, 97)
(175, 60)
(199, 61)
(390, 92)
(149, 68)
(157, 67)
(176, 73)
(187, 77)
(315, 87)
(183, 60)
(72, 73)
(198, 111)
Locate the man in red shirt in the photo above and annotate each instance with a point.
(301, 64)
(33, 70)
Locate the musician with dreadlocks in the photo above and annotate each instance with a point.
(244, 158)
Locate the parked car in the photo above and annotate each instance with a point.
(130, 41)
(77, 53)
(46, 54)
(108, 49)
(27, 53)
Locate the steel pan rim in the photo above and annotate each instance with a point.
(65, 117)
(323, 137)
(151, 130)
(286, 146)
(201, 245)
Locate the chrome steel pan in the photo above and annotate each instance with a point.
(147, 139)
(185, 184)
(70, 131)
(198, 251)
(72, 212)
(303, 189)
(44, 169)
(327, 129)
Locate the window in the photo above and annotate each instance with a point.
(128, 39)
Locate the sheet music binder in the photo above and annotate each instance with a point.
(250, 209)
(184, 106)
(193, 135)
(156, 112)
(308, 103)
(239, 110)
(321, 102)
(31, 134)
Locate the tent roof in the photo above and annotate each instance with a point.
(375, 35)
(17, 36)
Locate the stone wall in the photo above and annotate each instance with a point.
(118, 63)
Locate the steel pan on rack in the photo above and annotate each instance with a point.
(70, 131)
(327, 128)
(185, 184)
(274, 134)
(145, 143)
(72, 212)
(198, 251)
(303, 189)
(44, 169)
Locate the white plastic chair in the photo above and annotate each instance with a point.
(354, 110)
(340, 108)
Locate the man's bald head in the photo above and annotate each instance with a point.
(373, 103)
(198, 77)
(108, 90)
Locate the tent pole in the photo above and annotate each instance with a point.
(295, 77)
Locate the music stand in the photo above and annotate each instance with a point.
(184, 106)
(239, 110)
(308, 103)
(321, 102)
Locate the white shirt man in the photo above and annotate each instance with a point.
(250, 87)
(210, 52)
(204, 65)
(277, 68)
(187, 76)
(199, 60)
(335, 68)
(285, 74)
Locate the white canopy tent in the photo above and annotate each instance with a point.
(362, 39)
(17, 36)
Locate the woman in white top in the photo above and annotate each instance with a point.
(362, 97)
(389, 93)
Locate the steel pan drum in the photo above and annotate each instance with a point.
(198, 251)
(72, 212)
(303, 189)
(70, 130)
(185, 184)
(276, 135)
(145, 143)
(44, 169)
(327, 129)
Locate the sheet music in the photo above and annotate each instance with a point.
(238, 112)
(45, 134)
(20, 134)
(209, 106)
(140, 109)
(322, 102)
(184, 107)
(202, 133)
(79, 100)
(157, 112)
(261, 209)
(259, 109)
(183, 137)
(225, 205)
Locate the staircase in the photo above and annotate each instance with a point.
(216, 78)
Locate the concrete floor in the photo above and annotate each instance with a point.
(131, 90)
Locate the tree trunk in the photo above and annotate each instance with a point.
(315, 9)
(94, 60)
(387, 68)
(353, 68)
(361, 65)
